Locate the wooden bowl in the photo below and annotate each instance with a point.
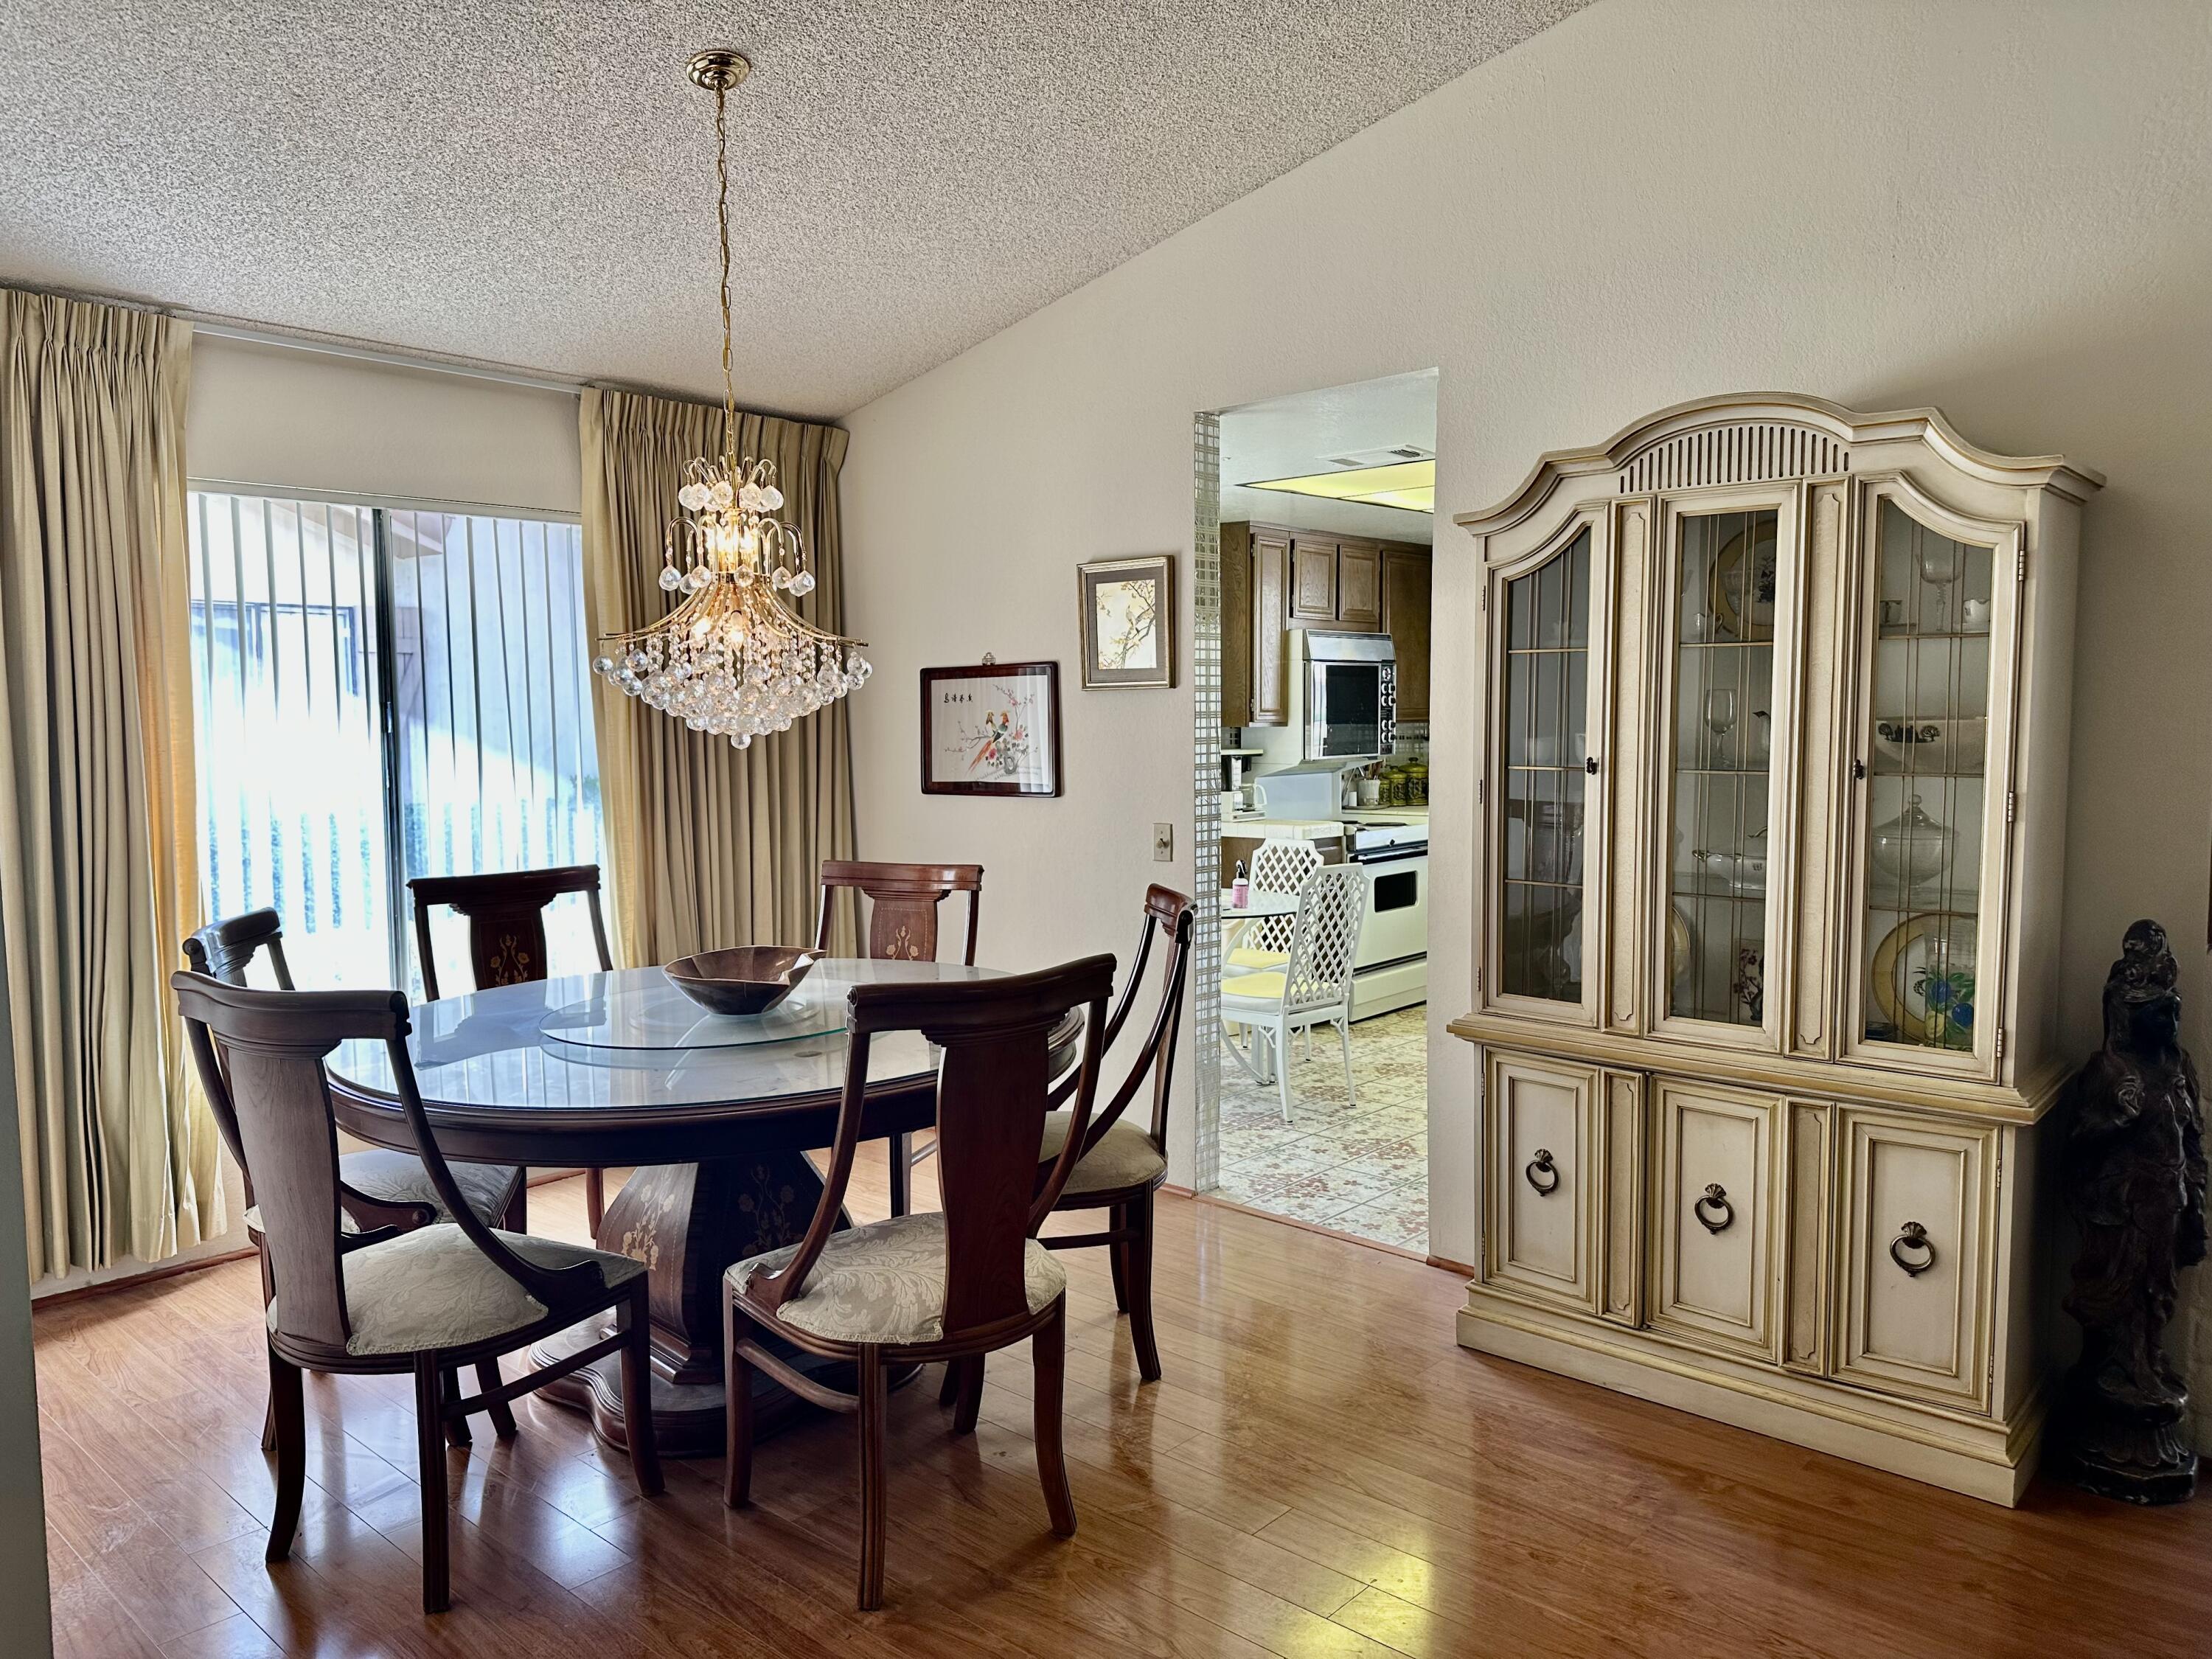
(750, 979)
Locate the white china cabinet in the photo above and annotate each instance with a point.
(1773, 804)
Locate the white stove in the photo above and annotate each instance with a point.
(1391, 969)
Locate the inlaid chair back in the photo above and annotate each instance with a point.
(1332, 906)
(991, 1086)
(1170, 915)
(260, 1056)
(902, 904)
(506, 914)
(1279, 865)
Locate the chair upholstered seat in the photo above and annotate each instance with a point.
(1260, 988)
(1252, 959)
(884, 1283)
(392, 1177)
(1124, 1157)
(433, 1288)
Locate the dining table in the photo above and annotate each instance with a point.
(716, 1113)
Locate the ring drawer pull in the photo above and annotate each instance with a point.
(1912, 1237)
(1715, 1197)
(1542, 1165)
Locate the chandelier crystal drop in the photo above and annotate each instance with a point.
(733, 657)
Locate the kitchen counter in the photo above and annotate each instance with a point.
(1264, 829)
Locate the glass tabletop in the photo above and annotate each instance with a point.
(629, 1039)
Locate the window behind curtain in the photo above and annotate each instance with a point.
(315, 626)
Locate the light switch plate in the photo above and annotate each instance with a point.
(1163, 843)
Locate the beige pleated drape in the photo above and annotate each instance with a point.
(99, 853)
(708, 846)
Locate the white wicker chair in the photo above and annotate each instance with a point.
(1278, 866)
(1312, 986)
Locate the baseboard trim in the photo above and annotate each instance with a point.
(1996, 1468)
(132, 1281)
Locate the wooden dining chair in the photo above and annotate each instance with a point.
(384, 1300)
(949, 1284)
(377, 1187)
(506, 914)
(1123, 1163)
(903, 902)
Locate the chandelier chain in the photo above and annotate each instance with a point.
(722, 214)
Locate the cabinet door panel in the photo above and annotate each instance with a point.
(1405, 616)
(1731, 588)
(1930, 766)
(1358, 586)
(1546, 679)
(1271, 602)
(1541, 1139)
(1911, 1293)
(1715, 1212)
(1313, 581)
(1236, 624)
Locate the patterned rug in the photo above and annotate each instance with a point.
(1359, 1166)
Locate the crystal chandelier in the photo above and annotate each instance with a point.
(733, 657)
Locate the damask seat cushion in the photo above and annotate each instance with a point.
(1124, 1157)
(1252, 957)
(392, 1178)
(433, 1288)
(346, 1222)
(885, 1282)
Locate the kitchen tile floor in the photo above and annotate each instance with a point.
(1358, 1166)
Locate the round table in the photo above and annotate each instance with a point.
(716, 1114)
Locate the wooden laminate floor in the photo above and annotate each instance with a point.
(1321, 1473)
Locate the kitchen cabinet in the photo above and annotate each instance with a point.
(1405, 618)
(1275, 579)
(1771, 802)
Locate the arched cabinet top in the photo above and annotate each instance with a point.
(1764, 437)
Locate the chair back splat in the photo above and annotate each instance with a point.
(991, 1092)
(260, 1055)
(506, 914)
(902, 904)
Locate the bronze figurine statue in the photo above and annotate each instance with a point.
(2134, 1180)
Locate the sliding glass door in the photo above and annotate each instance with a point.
(383, 694)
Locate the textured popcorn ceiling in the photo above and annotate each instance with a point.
(531, 185)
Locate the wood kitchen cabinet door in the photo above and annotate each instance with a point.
(1236, 624)
(1267, 617)
(1359, 586)
(1313, 580)
(1406, 619)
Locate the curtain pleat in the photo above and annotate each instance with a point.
(707, 845)
(99, 851)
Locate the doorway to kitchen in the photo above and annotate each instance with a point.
(1312, 718)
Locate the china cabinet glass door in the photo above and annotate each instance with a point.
(1927, 799)
(1723, 726)
(1545, 718)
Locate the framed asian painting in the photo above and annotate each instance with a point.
(990, 730)
(1128, 621)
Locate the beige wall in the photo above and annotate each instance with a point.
(283, 418)
(2002, 209)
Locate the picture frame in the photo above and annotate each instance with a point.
(991, 729)
(1127, 616)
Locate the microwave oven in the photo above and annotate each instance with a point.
(1344, 696)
